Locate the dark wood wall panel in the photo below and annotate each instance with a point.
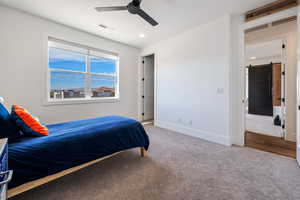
(276, 85)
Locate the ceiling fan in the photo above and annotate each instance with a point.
(133, 8)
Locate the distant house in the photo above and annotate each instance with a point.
(79, 93)
(67, 94)
(103, 92)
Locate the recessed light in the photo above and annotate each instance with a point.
(253, 58)
(142, 35)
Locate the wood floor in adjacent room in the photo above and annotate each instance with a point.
(270, 144)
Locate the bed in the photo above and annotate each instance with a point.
(69, 147)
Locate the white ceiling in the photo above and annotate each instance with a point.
(174, 16)
(265, 44)
(264, 50)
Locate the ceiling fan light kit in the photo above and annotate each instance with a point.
(134, 8)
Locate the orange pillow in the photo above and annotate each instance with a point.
(27, 123)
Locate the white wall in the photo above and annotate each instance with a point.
(23, 51)
(190, 70)
(291, 87)
(237, 81)
(298, 87)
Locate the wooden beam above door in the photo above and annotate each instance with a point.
(271, 8)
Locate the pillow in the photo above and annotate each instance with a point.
(8, 129)
(28, 124)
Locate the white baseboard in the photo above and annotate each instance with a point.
(209, 136)
(298, 154)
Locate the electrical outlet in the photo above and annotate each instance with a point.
(179, 120)
(220, 90)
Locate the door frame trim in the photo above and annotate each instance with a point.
(242, 70)
(140, 85)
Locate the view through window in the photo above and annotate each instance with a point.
(81, 73)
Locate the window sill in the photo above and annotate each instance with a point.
(82, 101)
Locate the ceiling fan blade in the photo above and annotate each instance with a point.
(114, 8)
(137, 2)
(146, 17)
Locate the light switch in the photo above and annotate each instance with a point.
(220, 90)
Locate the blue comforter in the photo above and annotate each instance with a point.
(71, 144)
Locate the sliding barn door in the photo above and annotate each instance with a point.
(260, 90)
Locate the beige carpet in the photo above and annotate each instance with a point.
(180, 167)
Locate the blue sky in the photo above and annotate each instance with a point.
(61, 59)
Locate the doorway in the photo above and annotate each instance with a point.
(270, 87)
(148, 88)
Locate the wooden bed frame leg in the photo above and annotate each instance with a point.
(143, 152)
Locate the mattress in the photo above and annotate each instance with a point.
(71, 144)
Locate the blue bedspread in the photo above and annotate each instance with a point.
(71, 144)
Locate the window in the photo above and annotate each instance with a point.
(81, 73)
